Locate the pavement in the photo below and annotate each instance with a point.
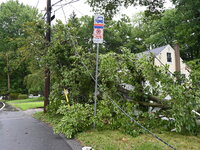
(20, 131)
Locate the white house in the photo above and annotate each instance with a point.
(170, 56)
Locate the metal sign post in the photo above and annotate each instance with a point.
(97, 38)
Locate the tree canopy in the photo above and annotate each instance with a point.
(13, 16)
(70, 57)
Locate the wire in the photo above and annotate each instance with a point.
(56, 3)
(74, 45)
(77, 10)
(64, 13)
(72, 1)
(37, 4)
(125, 113)
(132, 119)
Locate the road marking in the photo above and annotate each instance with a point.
(2, 106)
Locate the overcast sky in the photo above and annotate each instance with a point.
(80, 8)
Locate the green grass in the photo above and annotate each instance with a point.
(26, 104)
(115, 140)
(25, 100)
(30, 105)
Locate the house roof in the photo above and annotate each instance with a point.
(154, 51)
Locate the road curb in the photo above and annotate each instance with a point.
(2, 106)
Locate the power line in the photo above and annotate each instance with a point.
(74, 45)
(37, 3)
(123, 111)
(132, 119)
(72, 1)
(56, 3)
(64, 13)
(77, 10)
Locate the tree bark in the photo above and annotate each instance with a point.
(8, 78)
(46, 89)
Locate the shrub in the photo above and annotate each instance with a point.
(14, 96)
(77, 118)
(22, 96)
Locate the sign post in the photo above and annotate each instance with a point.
(98, 39)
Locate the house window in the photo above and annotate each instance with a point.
(169, 57)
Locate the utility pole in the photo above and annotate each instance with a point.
(47, 71)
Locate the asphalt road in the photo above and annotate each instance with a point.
(19, 131)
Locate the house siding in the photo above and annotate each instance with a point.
(162, 56)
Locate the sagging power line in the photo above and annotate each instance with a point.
(62, 5)
(121, 109)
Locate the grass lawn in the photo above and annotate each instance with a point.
(30, 105)
(25, 100)
(115, 140)
(27, 103)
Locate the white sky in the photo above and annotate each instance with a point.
(80, 8)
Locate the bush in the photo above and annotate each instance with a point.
(14, 96)
(22, 96)
(80, 117)
(77, 118)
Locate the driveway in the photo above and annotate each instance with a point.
(19, 131)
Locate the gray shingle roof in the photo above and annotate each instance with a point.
(155, 51)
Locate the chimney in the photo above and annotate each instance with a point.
(177, 58)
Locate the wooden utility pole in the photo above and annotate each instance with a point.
(47, 71)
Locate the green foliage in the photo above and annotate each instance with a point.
(183, 104)
(13, 16)
(75, 119)
(22, 96)
(71, 49)
(116, 69)
(14, 96)
(52, 119)
(34, 82)
(110, 8)
(188, 29)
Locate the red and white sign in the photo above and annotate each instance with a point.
(98, 34)
(98, 29)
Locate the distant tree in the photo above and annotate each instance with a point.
(111, 7)
(13, 16)
(188, 30)
(157, 32)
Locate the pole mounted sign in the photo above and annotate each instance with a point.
(98, 39)
(98, 29)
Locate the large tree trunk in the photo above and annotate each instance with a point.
(46, 88)
(8, 78)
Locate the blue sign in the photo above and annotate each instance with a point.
(99, 19)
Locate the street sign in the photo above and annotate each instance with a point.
(98, 29)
